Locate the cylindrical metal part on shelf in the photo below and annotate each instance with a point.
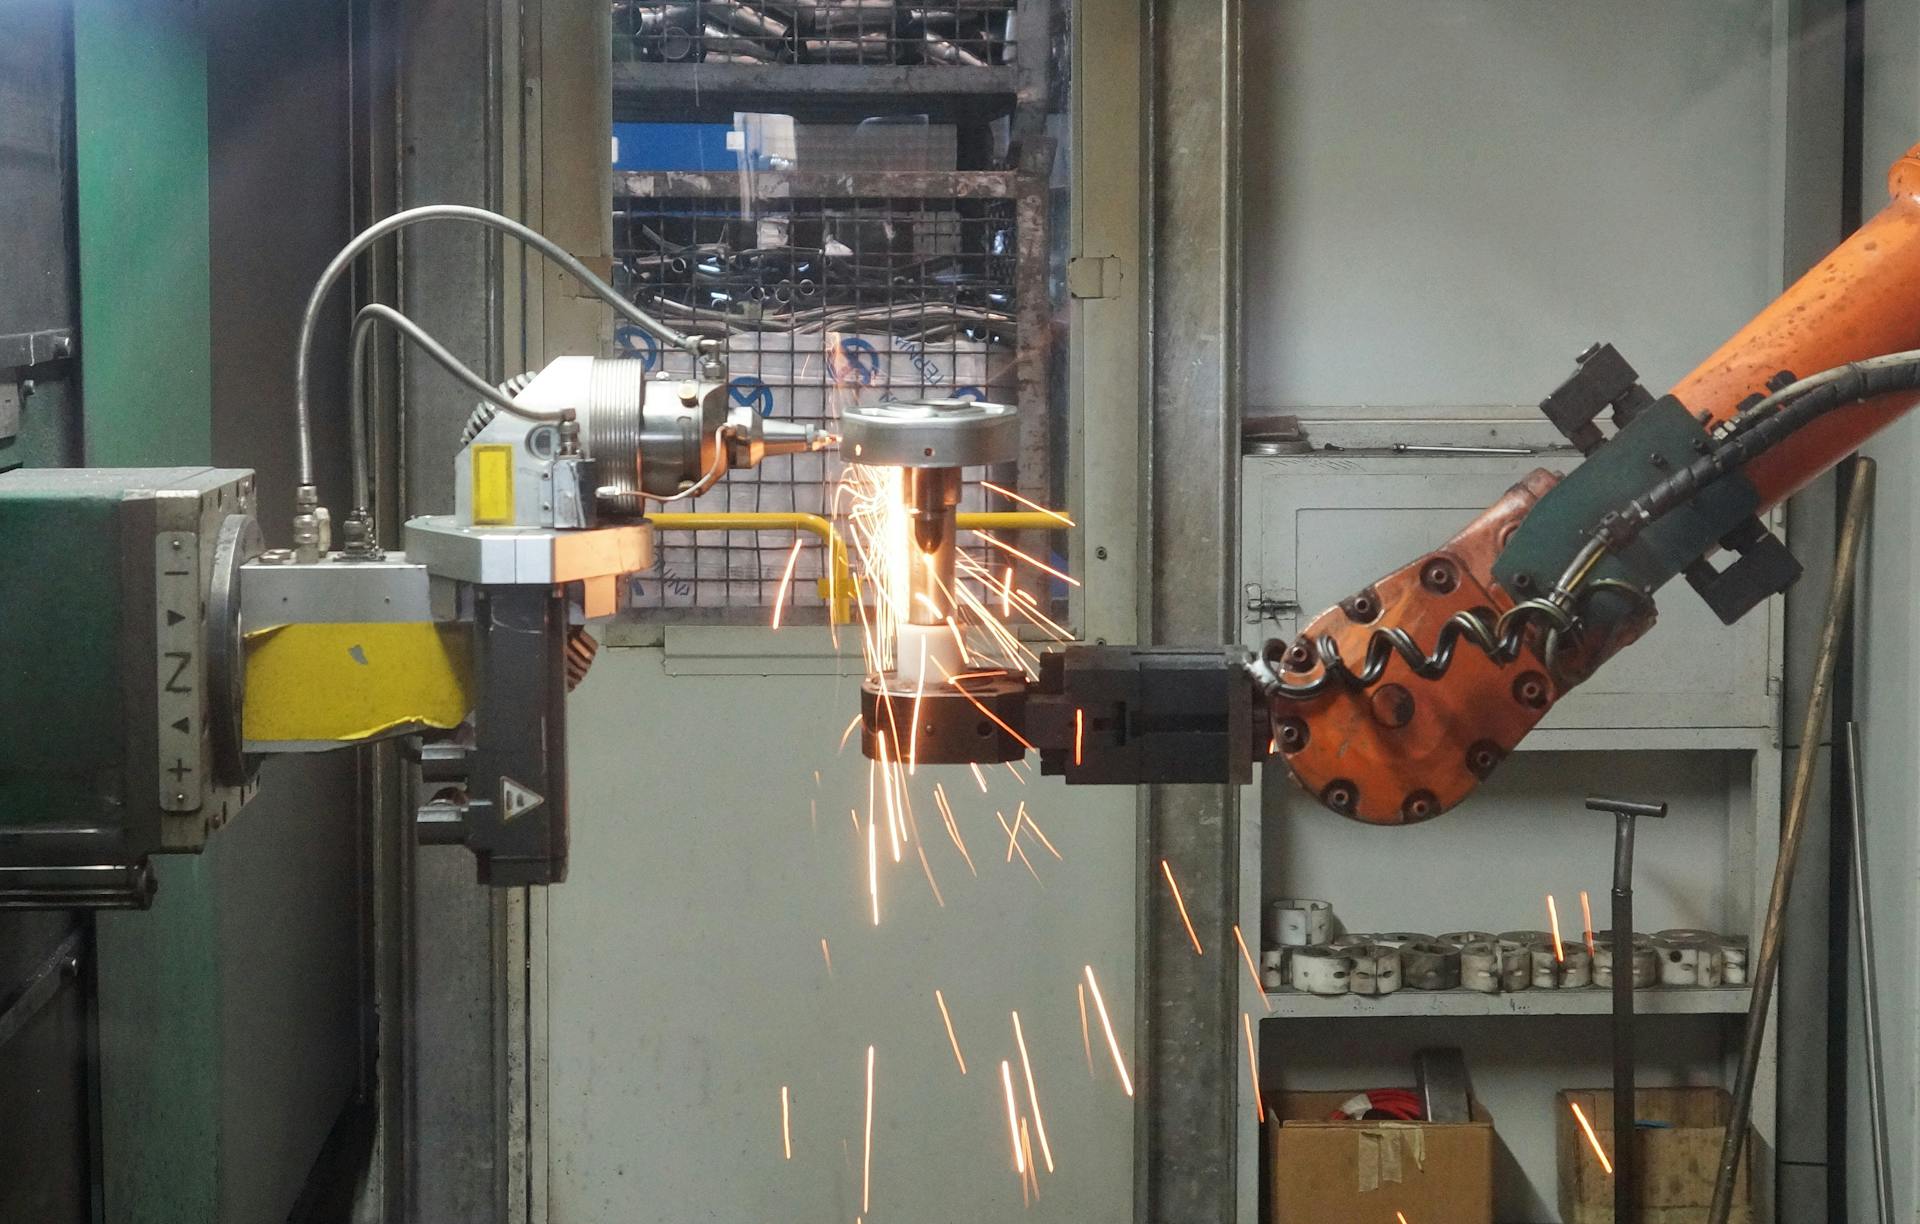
(1480, 966)
(1711, 959)
(1733, 956)
(1570, 970)
(1273, 967)
(1526, 939)
(1462, 938)
(1428, 965)
(1319, 969)
(1646, 963)
(1376, 969)
(1400, 939)
(1348, 941)
(1297, 922)
(1679, 961)
(1516, 967)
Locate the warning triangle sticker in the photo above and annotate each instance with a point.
(517, 800)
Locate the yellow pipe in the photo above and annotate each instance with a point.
(838, 588)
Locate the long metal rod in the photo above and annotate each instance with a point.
(1626, 1152)
(1869, 985)
(1766, 964)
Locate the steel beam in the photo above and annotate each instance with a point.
(1186, 1130)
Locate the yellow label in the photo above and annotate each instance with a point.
(493, 484)
(345, 683)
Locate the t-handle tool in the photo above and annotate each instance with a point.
(1626, 1153)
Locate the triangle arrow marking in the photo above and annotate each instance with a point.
(517, 800)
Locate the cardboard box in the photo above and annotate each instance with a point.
(1326, 1172)
(1678, 1160)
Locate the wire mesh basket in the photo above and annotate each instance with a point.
(956, 33)
(829, 289)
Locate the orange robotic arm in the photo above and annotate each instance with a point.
(1393, 705)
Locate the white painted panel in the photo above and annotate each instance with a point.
(686, 981)
(1447, 199)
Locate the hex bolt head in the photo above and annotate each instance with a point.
(1419, 805)
(1299, 656)
(1100, 554)
(1362, 607)
(1482, 757)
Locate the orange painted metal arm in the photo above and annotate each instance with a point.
(1861, 301)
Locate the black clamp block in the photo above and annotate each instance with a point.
(1602, 379)
(1763, 568)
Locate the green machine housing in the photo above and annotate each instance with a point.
(120, 735)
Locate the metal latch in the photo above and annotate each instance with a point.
(1261, 607)
(1094, 276)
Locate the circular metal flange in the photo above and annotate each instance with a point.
(930, 433)
(238, 542)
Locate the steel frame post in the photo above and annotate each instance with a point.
(1187, 1127)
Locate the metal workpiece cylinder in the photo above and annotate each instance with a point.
(1733, 956)
(1273, 967)
(1461, 939)
(1646, 964)
(1689, 958)
(932, 498)
(1516, 967)
(746, 19)
(1426, 965)
(1526, 939)
(1400, 939)
(1349, 940)
(1321, 970)
(1480, 966)
(1571, 968)
(1298, 922)
(1376, 969)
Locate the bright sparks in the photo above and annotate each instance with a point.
(1106, 1025)
(1013, 840)
(950, 1037)
(953, 826)
(1086, 1042)
(826, 955)
(1252, 972)
(1166, 869)
(1079, 733)
(1553, 920)
(786, 1123)
(978, 776)
(873, 868)
(786, 581)
(866, 1160)
(1593, 1140)
(1013, 1119)
(1586, 920)
(1253, 1071)
(1035, 562)
(1033, 1095)
(1400, 1216)
(1010, 495)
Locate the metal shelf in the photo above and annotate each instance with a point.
(1592, 1001)
(681, 92)
(1029, 186)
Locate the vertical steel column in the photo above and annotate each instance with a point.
(1186, 1131)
